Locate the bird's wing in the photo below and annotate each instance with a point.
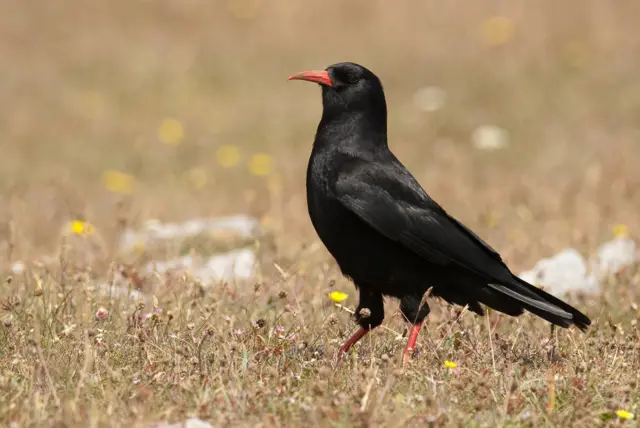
(389, 200)
(392, 202)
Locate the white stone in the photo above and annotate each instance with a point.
(569, 271)
(564, 272)
(612, 256)
(153, 231)
(236, 264)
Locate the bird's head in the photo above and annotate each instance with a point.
(347, 87)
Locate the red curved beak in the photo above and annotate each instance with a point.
(318, 76)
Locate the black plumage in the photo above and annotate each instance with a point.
(384, 230)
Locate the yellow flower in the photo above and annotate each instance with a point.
(171, 132)
(497, 30)
(450, 364)
(138, 247)
(620, 231)
(228, 156)
(338, 296)
(118, 182)
(81, 228)
(261, 164)
(197, 177)
(623, 414)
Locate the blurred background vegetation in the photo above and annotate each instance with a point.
(521, 118)
(122, 111)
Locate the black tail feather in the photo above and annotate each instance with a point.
(579, 319)
(542, 303)
(500, 302)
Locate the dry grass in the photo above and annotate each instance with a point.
(85, 86)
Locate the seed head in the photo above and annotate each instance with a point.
(332, 320)
(8, 321)
(365, 313)
(10, 303)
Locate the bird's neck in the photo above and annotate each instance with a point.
(348, 129)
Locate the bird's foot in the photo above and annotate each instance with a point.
(343, 350)
(406, 355)
(409, 354)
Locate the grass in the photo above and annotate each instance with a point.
(86, 87)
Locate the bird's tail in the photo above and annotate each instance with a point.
(542, 303)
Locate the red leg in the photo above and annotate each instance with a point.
(352, 341)
(411, 343)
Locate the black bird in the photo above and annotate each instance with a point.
(384, 230)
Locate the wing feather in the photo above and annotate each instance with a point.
(410, 217)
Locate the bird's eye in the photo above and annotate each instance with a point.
(351, 78)
(347, 77)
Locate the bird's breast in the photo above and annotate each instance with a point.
(328, 216)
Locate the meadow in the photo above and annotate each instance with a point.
(116, 113)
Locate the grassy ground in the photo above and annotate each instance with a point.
(86, 87)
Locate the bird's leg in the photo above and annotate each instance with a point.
(552, 341)
(369, 314)
(415, 311)
(352, 341)
(411, 343)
